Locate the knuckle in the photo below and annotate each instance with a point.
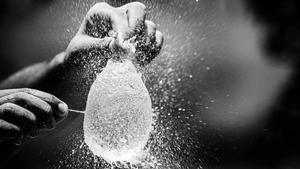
(158, 34)
(151, 28)
(100, 5)
(25, 90)
(137, 5)
(48, 109)
(101, 8)
(150, 24)
(98, 25)
(27, 114)
(52, 98)
(30, 116)
(9, 106)
(21, 95)
(136, 14)
(159, 38)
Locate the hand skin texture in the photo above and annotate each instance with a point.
(25, 111)
(26, 105)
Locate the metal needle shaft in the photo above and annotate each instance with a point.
(76, 111)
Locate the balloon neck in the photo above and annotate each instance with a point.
(127, 51)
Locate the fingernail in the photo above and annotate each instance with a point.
(63, 109)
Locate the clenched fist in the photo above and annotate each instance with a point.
(108, 32)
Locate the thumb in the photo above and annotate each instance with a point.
(130, 20)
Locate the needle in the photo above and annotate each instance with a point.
(76, 111)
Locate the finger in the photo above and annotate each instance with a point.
(151, 28)
(102, 21)
(159, 39)
(17, 115)
(98, 24)
(8, 92)
(59, 107)
(43, 95)
(148, 51)
(9, 130)
(156, 46)
(135, 13)
(97, 20)
(42, 109)
(85, 42)
(51, 99)
(131, 20)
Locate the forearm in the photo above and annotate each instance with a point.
(32, 76)
(58, 77)
(35, 76)
(26, 77)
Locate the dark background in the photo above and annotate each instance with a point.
(233, 66)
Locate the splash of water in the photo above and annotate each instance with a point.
(118, 116)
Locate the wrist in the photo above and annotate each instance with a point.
(57, 60)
